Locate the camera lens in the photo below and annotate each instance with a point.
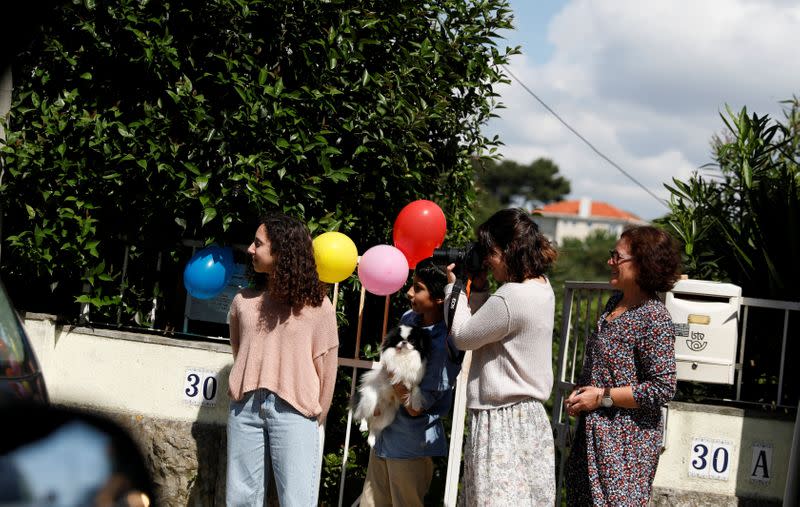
(447, 256)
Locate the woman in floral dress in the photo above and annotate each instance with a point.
(628, 374)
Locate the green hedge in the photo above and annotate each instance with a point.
(142, 123)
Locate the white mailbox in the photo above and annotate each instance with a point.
(706, 319)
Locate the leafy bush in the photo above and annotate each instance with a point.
(137, 124)
(739, 220)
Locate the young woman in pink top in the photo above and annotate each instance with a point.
(285, 345)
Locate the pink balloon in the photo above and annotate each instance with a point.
(383, 270)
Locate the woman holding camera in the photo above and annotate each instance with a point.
(509, 454)
(628, 373)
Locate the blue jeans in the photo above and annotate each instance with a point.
(264, 429)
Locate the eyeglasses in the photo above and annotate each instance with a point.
(616, 258)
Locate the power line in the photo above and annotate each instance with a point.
(590, 145)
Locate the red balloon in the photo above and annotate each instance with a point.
(418, 229)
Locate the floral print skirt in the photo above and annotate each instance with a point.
(613, 458)
(509, 457)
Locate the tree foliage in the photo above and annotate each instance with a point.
(580, 261)
(140, 124)
(739, 220)
(584, 260)
(538, 181)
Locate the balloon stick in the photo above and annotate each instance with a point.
(352, 392)
(335, 295)
(385, 318)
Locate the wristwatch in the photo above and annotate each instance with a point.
(606, 401)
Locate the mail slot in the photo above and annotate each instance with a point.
(706, 319)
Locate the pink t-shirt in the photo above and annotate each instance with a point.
(293, 354)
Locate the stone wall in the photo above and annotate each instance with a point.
(669, 497)
(187, 460)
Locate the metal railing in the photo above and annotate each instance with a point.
(787, 307)
(582, 306)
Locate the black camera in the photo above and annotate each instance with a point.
(468, 259)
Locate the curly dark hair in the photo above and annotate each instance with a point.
(527, 253)
(656, 256)
(294, 279)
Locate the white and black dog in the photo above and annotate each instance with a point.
(404, 353)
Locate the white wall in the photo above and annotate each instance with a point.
(558, 228)
(580, 228)
(131, 373)
(751, 441)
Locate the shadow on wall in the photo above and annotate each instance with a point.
(186, 459)
(761, 471)
(207, 483)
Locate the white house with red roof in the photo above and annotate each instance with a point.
(579, 218)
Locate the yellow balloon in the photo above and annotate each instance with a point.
(336, 256)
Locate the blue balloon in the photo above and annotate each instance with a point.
(208, 272)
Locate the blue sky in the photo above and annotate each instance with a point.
(530, 21)
(645, 82)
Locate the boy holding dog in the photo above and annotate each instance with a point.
(400, 466)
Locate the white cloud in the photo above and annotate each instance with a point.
(645, 82)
